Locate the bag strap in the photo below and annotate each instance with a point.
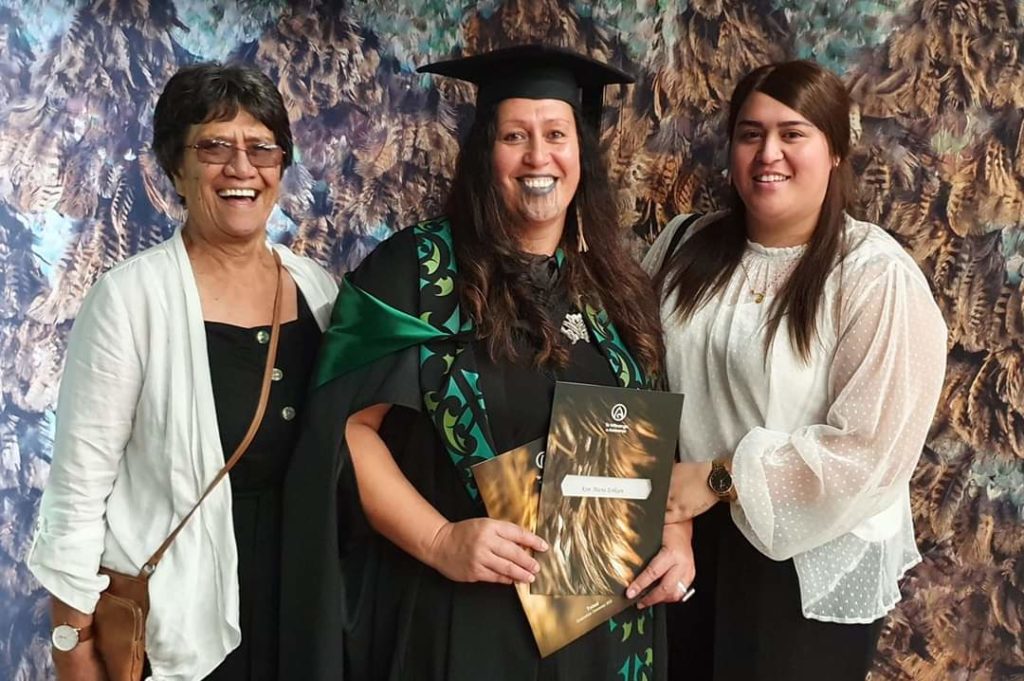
(254, 425)
(677, 236)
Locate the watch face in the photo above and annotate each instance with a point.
(64, 637)
(720, 481)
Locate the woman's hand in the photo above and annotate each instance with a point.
(673, 565)
(81, 664)
(688, 493)
(485, 550)
(475, 550)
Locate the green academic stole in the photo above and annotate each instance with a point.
(448, 373)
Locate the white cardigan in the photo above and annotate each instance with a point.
(136, 443)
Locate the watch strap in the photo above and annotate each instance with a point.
(84, 633)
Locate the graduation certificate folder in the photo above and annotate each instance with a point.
(605, 483)
(509, 485)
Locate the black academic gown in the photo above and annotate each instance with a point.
(354, 606)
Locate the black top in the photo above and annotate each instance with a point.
(237, 358)
(518, 395)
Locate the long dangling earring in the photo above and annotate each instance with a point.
(581, 241)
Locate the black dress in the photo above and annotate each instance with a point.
(745, 622)
(237, 358)
(398, 619)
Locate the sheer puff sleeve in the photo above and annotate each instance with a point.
(839, 489)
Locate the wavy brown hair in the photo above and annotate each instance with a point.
(703, 264)
(494, 284)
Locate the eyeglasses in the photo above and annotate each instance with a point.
(261, 154)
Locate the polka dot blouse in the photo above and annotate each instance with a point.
(823, 450)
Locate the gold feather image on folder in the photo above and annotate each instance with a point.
(605, 485)
(509, 485)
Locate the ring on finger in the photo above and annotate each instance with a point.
(685, 592)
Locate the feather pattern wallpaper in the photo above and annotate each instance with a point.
(939, 155)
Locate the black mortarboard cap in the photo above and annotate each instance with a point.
(535, 72)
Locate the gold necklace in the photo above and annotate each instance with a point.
(758, 296)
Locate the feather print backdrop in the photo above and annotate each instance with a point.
(940, 156)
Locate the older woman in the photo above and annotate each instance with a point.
(811, 354)
(444, 351)
(163, 374)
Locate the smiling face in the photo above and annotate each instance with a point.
(228, 201)
(536, 161)
(780, 165)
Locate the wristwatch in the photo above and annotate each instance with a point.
(65, 637)
(720, 481)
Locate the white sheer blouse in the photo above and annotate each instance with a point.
(822, 451)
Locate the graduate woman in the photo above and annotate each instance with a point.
(811, 354)
(444, 350)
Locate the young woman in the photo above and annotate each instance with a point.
(811, 354)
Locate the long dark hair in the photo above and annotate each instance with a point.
(704, 263)
(494, 286)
